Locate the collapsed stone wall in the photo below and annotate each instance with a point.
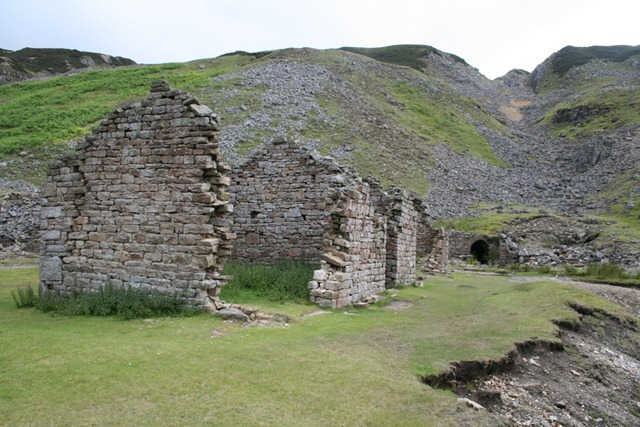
(353, 265)
(279, 199)
(143, 204)
(432, 247)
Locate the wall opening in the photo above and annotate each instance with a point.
(480, 251)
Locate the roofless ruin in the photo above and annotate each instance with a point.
(144, 204)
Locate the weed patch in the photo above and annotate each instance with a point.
(608, 271)
(285, 281)
(127, 303)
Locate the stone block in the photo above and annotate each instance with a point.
(51, 212)
(51, 269)
(334, 260)
(319, 275)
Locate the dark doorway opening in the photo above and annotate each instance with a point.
(480, 251)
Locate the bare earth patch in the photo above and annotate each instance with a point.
(591, 379)
(512, 111)
(398, 305)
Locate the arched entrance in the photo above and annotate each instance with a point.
(480, 251)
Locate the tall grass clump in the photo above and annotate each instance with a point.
(284, 281)
(570, 270)
(24, 297)
(606, 271)
(124, 302)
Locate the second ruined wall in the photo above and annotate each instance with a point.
(279, 199)
(291, 203)
(432, 245)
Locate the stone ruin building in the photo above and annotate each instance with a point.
(145, 204)
(290, 202)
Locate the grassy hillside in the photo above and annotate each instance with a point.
(597, 109)
(409, 55)
(569, 57)
(601, 90)
(35, 114)
(410, 111)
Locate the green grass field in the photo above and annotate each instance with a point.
(351, 367)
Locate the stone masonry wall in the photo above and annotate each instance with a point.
(401, 238)
(143, 204)
(353, 265)
(460, 243)
(279, 199)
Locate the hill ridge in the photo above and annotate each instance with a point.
(29, 63)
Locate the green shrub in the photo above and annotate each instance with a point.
(125, 302)
(285, 281)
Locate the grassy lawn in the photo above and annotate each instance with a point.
(352, 367)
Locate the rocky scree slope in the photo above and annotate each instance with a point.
(439, 128)
(498, 142)
(382, 118)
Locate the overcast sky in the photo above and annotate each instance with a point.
(494, 36)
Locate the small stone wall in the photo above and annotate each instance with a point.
(353, 265)
(401, 238)
(432, 248)
(279, 197)
(143, 204)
